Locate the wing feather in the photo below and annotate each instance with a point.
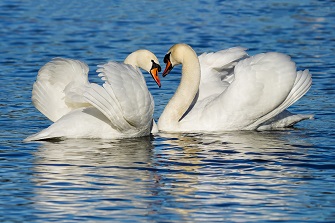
(99, 97)
(124, 98)
(59, 87)
(302, 84)
(217, 70)
(261, 84)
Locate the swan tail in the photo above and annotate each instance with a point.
(284, 120)
(42, 135)
(35, 137)
(59, 86)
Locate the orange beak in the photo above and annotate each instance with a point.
(154, 74)
(168, 68)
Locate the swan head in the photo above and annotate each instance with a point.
(147, 61)
(176, 55)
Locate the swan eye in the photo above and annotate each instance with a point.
(167, 57)
(155, 65)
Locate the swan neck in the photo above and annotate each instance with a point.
(132, 59)
(141, 59)
(186, 91)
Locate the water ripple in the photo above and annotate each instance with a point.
(229, 177)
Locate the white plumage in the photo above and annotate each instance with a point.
(122, 107)
(59, 87)
(228, 90)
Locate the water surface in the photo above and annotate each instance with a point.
(230, 177)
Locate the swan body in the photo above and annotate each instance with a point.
(228, 90)
(121, 108)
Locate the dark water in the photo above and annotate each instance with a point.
(232, 177)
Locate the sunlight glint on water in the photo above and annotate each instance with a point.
(230, 177)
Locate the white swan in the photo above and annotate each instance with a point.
(228, 90)
(122, 107)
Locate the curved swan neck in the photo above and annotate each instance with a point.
(187, 89)
(140, 59)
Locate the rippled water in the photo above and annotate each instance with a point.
(231, 177)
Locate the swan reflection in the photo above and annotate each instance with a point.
(175, 173)
(107, 175)
(249, 169)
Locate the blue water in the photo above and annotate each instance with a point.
(286, 176)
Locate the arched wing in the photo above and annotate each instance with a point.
(59, 87)
(264, 85)
(217, 70)
(124, 97)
